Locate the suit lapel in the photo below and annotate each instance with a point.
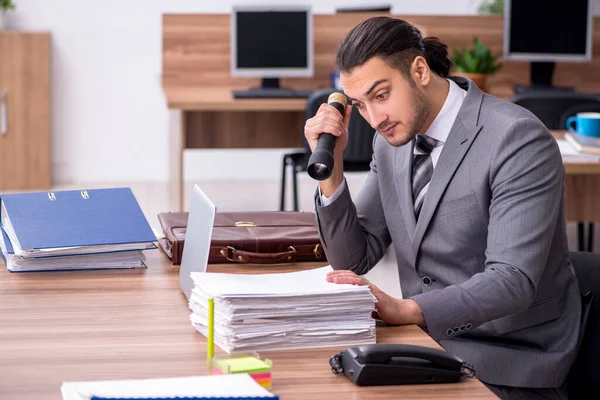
(403, 181)
(463, 132)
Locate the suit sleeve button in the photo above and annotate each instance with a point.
(426, 281)
(449, 332)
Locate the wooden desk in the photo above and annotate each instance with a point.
(130, 324)
(212, 118)
(582, 189)
(216, 109)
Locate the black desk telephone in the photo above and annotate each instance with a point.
(398, 364)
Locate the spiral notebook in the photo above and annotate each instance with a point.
(232, 386)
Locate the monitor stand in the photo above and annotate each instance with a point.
(270, 83)
(541, 80)
(270, 89)
(267, 85)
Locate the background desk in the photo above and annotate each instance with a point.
(582, 189)
(92, 325)
(212, 118)
(255, 123)
(197, 83)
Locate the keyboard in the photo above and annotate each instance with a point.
(261, 93)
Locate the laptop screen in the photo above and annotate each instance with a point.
(197, 239)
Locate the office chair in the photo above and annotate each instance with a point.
(553, 109)
(583, 382)
(357, 156)
(549, 106)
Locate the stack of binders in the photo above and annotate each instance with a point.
(73, 229)
(285, 311)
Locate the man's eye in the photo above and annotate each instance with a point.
(358, 105)
(382, 96)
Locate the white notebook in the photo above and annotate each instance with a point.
(572, 152)
(195, 387)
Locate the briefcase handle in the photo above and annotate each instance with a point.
(241, 256)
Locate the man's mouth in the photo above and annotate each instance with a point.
(388, 130)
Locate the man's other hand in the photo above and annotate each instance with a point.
(391, 310)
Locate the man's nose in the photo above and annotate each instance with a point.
(376, 117)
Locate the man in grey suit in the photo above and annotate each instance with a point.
(468, 189)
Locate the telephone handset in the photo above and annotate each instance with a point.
(399, 364)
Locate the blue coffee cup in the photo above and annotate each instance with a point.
(586, 124)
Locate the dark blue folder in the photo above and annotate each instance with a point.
(70, 218)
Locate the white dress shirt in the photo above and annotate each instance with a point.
(439, 130)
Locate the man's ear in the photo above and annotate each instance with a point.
(420, 71)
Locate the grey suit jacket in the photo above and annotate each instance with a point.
(487, 261)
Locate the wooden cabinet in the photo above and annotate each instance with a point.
(24, 110)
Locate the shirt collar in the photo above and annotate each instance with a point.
(441, 125)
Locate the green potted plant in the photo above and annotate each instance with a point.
(477, 63)
(491, 7)
(5, 7)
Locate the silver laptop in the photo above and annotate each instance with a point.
(197, 239)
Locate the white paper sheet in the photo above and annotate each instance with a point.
(233, 385)
(302, 283)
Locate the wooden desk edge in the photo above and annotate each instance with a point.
(64, 345)
(221, 99)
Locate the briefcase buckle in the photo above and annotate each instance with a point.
(244, 224)
(228, 253)
(318, 253)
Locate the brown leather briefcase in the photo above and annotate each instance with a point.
(260, 237)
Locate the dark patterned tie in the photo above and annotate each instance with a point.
(422, 169)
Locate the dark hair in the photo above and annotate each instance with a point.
(394, 40)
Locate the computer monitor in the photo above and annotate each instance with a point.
(271, 42)
(544, 32)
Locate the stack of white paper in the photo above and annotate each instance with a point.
(572, 155)
(282, 311)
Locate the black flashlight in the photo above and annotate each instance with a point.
(320, 163)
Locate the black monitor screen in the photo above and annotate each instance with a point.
(548, 27)
(272, 39)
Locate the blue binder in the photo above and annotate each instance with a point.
(7, 246)
(7, 243)
(71, 218)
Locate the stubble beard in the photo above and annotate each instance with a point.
(421, 113)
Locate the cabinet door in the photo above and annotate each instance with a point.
(24, 111)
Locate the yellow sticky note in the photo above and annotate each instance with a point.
(242, 364)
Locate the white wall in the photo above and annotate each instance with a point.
(109, 118)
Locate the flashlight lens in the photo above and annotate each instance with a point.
(320, 168)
